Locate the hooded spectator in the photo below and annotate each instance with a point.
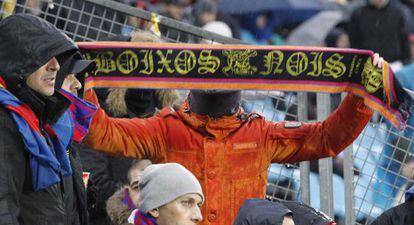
(399, 215)
(36, 171)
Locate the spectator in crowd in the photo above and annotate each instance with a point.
(381, 27)
(210, 135)
(399, 215)
(263, 212)
(37, 176)
(217, 27)
(120, 205)
(75, 187)
(169, 194)
(205, 11)
(174, 9)
(108, 173)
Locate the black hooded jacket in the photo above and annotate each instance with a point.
(26, 44)
(384, 31)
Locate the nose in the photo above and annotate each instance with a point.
(53, 65)
(197, 217)
(76, 84)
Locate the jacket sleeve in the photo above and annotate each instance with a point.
(294, 142)
(12, 170)
(135, 138)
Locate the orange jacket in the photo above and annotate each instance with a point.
(230, 156)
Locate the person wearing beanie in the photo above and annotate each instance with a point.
(36, 128)
(225, 148)
(169, 194)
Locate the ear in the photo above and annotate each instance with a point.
(154, 213)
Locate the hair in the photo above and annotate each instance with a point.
(138, 164)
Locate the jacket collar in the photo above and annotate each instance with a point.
(218, 128)
(47, 109)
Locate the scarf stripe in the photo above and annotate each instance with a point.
(47, 162)
(143, 219)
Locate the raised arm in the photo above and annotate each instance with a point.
(138, 138)
(294, 142)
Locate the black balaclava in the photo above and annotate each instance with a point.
(214, 103)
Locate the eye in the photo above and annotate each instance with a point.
(187, 203)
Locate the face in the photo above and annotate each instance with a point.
(71, 84)
(343, 41)
(184, 210)
(43, 80)
(135, 176)
(206, 18)
(378, 3)
(287, 220)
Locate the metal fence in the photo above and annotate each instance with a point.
(366, 179)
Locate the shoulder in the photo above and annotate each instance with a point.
(168, 112)
(6, 120)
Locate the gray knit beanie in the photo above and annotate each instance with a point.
(163, 183)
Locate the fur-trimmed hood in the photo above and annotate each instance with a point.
(117, 211)
(138, 102)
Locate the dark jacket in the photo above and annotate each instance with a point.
(384, 31)
(261, 212)
(400, 215)
(27, 43)
(264, 212)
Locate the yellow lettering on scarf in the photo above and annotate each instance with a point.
(335, 68)
(127, 62)
(165, 62)
(238, 62)
(185, 61)
(207, 62)
(272, 62)
(105, 63)
(316, 64)
(297, 63)
(148, 61)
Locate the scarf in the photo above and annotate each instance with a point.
(245, 67)
(127, 200)
(82, 113)
(47, 161)
(141, 218)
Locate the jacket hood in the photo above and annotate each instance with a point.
(27, 43)
(261, 212)
(138, 102)
(214, 103)
(409, 194)
(117, 211)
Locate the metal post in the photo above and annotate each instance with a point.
(325, 165)
(349, 187)
(304, 166)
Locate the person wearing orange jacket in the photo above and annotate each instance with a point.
(227, 150)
